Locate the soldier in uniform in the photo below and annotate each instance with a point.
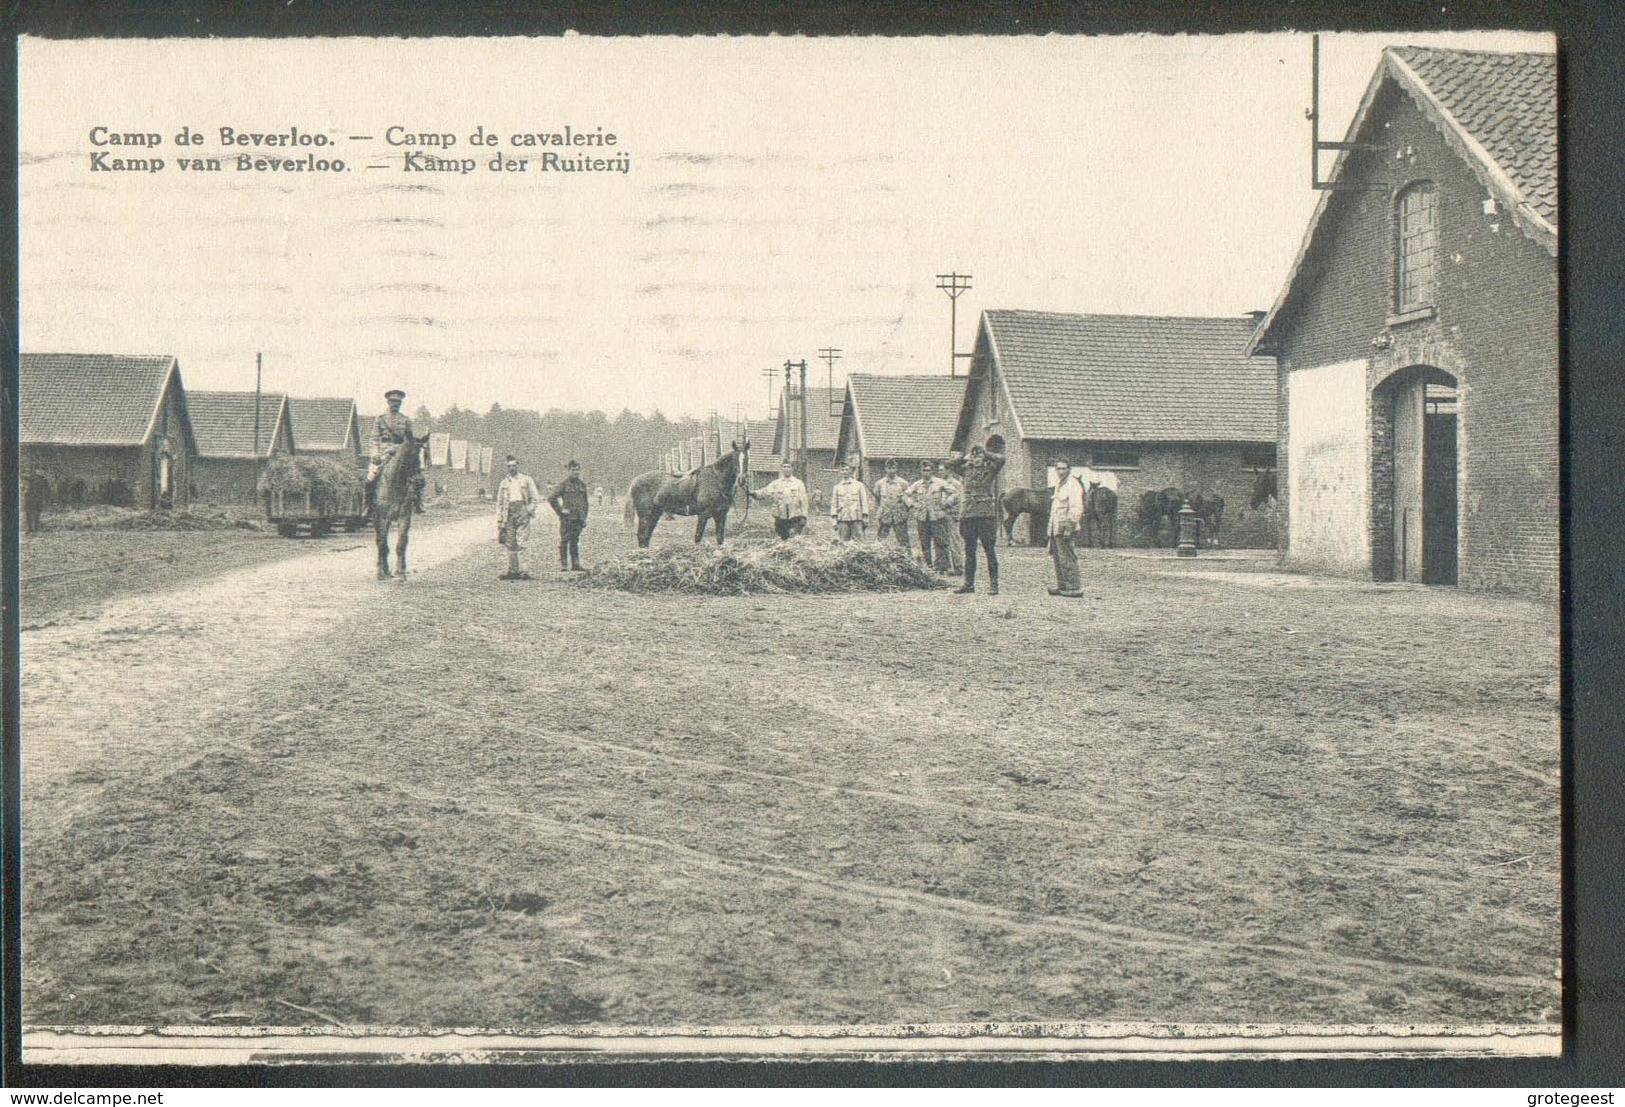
(980, 522)
(517, 497)
(789, 499)
(569, 502)
(892, 513)
(35, 494)
(953, 499)
(849, 506)
(389, 434)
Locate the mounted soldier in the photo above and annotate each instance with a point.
(390, 433)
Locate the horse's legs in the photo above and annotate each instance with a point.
(380, 532)
(1010, 530)
(722, 521)
(400, 542)
(699, 528)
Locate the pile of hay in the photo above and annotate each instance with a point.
(329, 480)
(799, 565)
(103, 517)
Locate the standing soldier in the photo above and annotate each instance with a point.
(891, 492)
(981, 515)
(36, 492)
(389, 433)
(924, 500)
(953, 502)
(789, 499)
(517, 497)
(569, 502)
(1065, 517)
(849, 506)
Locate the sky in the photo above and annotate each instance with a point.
(783, 195)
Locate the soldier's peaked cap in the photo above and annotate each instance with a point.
(574, 464)
(395, 393)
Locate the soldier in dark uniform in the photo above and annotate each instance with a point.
(389, 434)
(36, 492)
(569, 502)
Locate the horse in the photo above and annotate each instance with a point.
(707, 492)
(393, 500)
(1210, 510)
(1026, 501)
(1264, 488)
(1101, 512)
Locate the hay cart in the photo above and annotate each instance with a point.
(314, 495)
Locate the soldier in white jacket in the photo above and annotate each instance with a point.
(1065, 519)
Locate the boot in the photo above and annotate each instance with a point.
(993, 582)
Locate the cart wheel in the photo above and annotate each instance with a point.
(286, 531)
(321, 530)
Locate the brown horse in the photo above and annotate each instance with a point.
(1034, 502)
(1100, 517)
(707, 492)
(394, 500)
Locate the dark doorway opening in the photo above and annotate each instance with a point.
(1439, 485)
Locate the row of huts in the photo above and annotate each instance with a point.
(1400, 396)
(110, 429)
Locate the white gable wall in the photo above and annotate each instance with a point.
(1329, 469)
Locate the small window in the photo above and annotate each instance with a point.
(1114, 459)
(1418, 217)
(1258, 461)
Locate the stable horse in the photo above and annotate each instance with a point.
(1100, 517)
(707, 492)
(393, 501)
(1034, 502)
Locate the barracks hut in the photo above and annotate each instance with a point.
(326, 425)
(106, 428)
(903, 419)
(1162, 402)
(1418, 334)
(229, 462)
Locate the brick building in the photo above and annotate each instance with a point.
(106, 428)
(1163, 402)
(903, 419)
(1417, 334)
(229, 460)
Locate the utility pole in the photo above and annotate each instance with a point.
(789, 416)
(831, 355)
(805, 470)
(953, 284)
(259, 369)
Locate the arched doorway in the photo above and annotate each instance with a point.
(1421, 460)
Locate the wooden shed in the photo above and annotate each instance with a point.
(234, 442)
(1162, 401)
(1417, 334)
(106, 428)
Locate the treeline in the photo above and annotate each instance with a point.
(611, 451)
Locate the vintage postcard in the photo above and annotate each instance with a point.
(586, 548)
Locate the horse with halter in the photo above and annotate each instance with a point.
(394, 501)
(707, 492)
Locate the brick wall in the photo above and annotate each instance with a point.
(88, 474)
(1494, 331)
(1209, 468)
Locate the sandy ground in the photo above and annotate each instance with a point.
(292, 795)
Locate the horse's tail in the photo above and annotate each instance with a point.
(630, 514)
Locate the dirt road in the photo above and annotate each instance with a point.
(1205, 794)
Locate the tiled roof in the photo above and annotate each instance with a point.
(1507, 103)
(1132, 378)
(760, 432)
(321, 423)
(89, 399)
(224, 422)
(906, 417)
(823, 426)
